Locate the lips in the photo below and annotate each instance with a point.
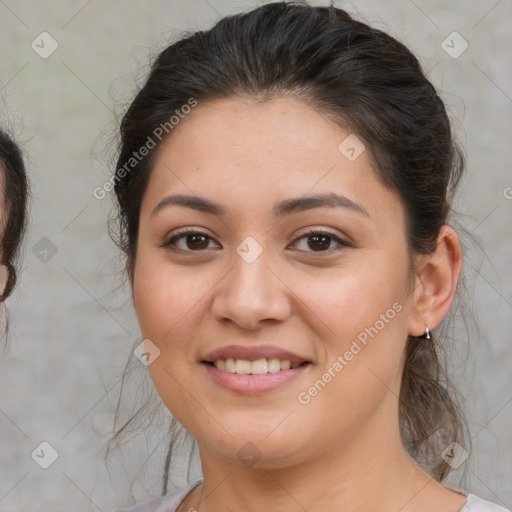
(254, 353)
(254, 370)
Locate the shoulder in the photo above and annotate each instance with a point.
(167, 503)
(476, 504)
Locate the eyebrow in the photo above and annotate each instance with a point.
(280, 209)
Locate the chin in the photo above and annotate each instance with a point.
(253, 447)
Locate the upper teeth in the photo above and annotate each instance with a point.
(260, 366)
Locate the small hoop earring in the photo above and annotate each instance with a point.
(427, 333)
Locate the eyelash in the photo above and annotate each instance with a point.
(184, 232)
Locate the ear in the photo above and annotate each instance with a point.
(436, 280)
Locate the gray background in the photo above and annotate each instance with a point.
(71, 322)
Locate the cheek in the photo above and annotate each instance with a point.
(365, 317)
(352, 300)
(171, 304)
(166, 297)
(168, 303)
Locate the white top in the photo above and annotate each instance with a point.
(171, 501)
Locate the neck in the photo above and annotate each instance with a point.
(351, 476)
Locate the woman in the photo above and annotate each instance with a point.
(283, 185)
(13, 214)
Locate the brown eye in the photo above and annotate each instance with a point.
(318, 241)
(189, 241)
(196, 241)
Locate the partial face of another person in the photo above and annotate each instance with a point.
(3, 220)
(4, 273)
(257, 266)
(14, 190)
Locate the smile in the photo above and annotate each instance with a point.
(248, 382)
(258, 367)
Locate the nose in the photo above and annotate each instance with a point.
(251, 294)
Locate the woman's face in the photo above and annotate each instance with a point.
(271, 268)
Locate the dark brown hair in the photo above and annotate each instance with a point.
(14, 207)
(363, 79)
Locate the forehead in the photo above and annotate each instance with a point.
(256, 153)
(283, 126)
